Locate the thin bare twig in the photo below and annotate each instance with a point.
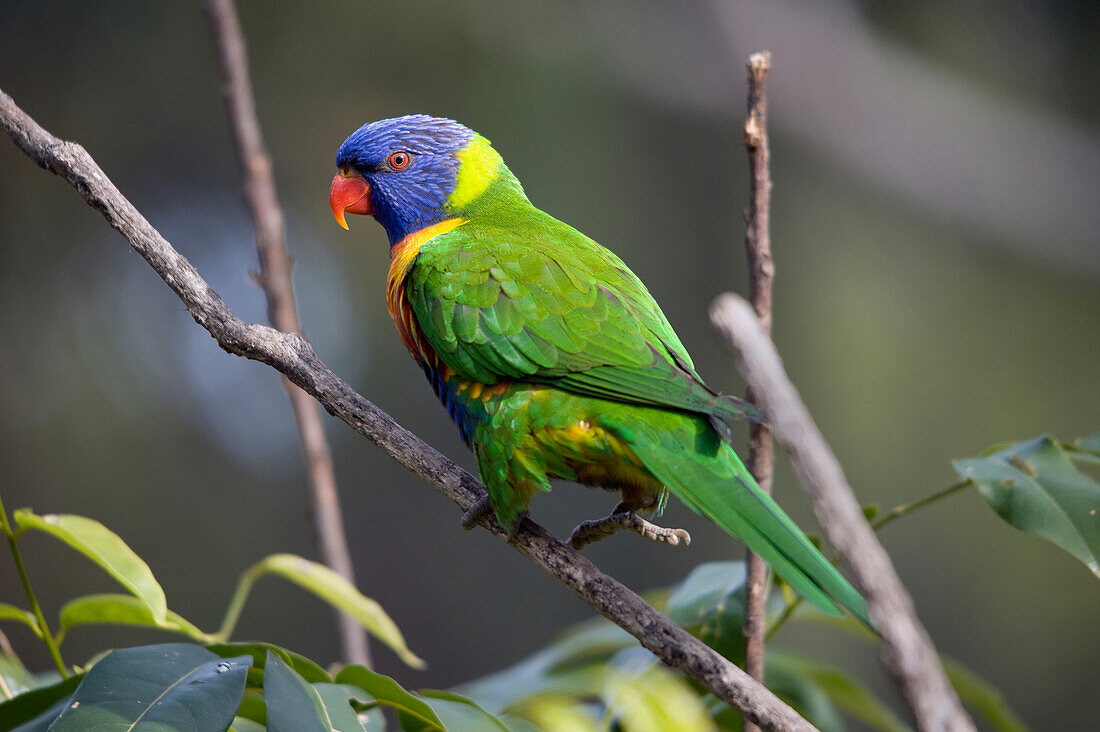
(290, 354)
(907, 651)
(898, 511)
(758, 248)
(267, 221)
(889, 517)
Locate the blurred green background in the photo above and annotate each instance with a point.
(935, 220)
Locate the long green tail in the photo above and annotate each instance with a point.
(703, 471)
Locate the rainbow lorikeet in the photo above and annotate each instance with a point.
(550, 354)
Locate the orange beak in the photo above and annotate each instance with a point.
(350, 193)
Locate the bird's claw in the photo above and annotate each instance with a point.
(484, 508)
(478, 511)
(588, 532)
(673, 537)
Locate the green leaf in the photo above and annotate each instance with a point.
(38, 708)
(1036, 487)
(11, 612)
(845, 692)
(710, 604)
(389, 692)
(367, 710)
(243, 724)
(341, 594)
(654, 700)
(173, 686)
(14, 677)
(116, 609)
(343, 702)
(252, 705)
(302, 666)
(44, 721)
(1091, 443)
(460, 713)
(554, 713)
(982, 697)
(374, 720)
(557, 687)
(294, 705)
(105, 548)
(805, 695)
(705, 588)
(1084, 449)
(568, 667)
(586, 642)
(975, 692)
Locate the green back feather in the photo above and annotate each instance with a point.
(515, 294)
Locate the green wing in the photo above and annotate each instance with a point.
(544, 303)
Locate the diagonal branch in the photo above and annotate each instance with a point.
(758, 248)
(290, 354)
(267, 221)
(907, 650)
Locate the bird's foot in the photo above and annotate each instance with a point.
(588, 532)
(478, 511)
(650, 530)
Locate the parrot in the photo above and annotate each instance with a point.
(551, 356)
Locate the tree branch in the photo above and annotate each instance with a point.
(275, 265)
(290, 354)
(761, 272)
(907, 651)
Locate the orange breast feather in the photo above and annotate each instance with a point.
(402, 255)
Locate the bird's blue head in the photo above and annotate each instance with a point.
(411, 172)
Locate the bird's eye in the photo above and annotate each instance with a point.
(399, 160)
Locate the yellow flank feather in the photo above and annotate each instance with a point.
(598, 457)
(478, 164)
(580, 431)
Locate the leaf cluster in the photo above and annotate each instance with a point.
(593, 677)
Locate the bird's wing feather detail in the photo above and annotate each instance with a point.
(554, 307)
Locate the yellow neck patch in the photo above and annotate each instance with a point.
(478, 165)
